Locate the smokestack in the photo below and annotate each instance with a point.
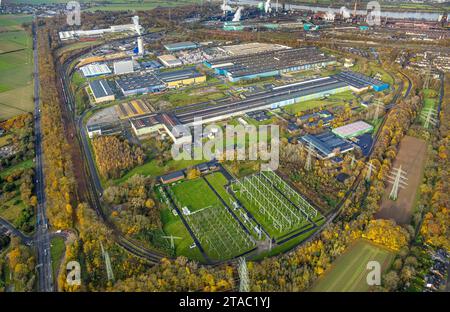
(267, 7)
(237, 15)
(140, 43)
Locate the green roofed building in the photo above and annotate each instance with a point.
(352, 130)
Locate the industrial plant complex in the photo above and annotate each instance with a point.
(223, 146)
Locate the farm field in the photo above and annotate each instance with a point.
(411, 157)
(16, 67)
(348, 273)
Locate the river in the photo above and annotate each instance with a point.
(427, 16)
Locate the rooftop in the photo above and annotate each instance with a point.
(100, 88)
(180, 45)
(145, 121)
(138, 81)
(352, 129)
(327, 143)
(95, 70)
(270, 61)
(358, 80)
(179, 75)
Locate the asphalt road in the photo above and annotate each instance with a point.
(42, 238)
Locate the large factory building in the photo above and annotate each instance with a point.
(271, 63)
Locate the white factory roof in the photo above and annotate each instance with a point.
(92, 70)
(352, 128)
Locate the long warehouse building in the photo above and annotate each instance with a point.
(276, 97)
(271, 63)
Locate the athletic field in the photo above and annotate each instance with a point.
(348, 273)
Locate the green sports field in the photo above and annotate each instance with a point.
(348, 273)
(16, 67)
(195, 195)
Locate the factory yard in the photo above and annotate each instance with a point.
(212, 213)
(411, 157)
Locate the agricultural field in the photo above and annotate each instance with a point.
(348, 273)
(411, 157)
(16, 67)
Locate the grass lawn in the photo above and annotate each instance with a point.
(172, 225)
(376, 123)
(334, 99)
(11, 210)
(136, 5)
(16, 67)
(57, 248)
(151, 168)
(195, 194)
(218, 182)
(23, 165)
(348, 272)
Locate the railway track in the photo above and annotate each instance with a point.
(88, 189)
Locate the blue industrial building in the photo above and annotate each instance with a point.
(360, 82)
(326, 144)
(270, 63)
(140, 84)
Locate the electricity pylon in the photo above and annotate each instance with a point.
(353, 161)
(398, 179)
(427, 74)
(244, 285)
(309, 157)
(109, 271)
(378, 107)
(429, 117)
(370, 168)
(172, 240)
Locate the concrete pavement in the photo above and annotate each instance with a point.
(42, 238)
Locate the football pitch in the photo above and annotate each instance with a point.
(349, 271)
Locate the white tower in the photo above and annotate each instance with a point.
(237, 15)
(140, 41)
